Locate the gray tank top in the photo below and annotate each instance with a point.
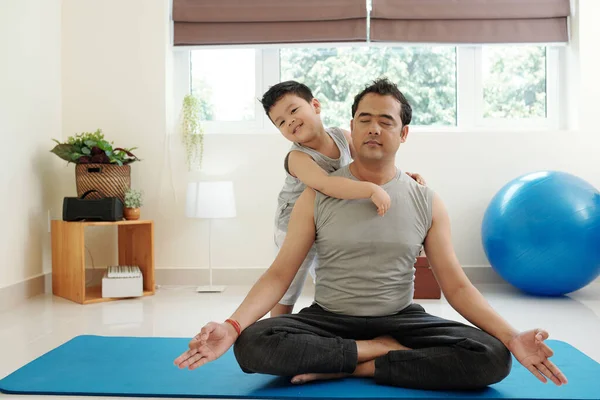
(293, 187)
(366, 262)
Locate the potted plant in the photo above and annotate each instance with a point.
(99, 165)
(191, 131)
(133, 202)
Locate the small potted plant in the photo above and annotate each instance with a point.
(133, 202)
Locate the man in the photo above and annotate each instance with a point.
(363, 322)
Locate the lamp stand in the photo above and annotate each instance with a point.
(210, 288)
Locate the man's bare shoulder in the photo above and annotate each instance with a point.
(305, 203)
(308, 193)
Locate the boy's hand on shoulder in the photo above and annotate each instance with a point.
(420, 180)
(381, 199)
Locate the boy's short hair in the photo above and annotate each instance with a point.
(279, 90)
(384, 87)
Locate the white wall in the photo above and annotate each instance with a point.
(589, 63)
(117, 76)
(30, 115)
(114, 78)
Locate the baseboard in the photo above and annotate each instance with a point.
(482, 274)
(11, 296)
(221, 276)
(478, 274)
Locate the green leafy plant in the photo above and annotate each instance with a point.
(133, 198)
(192, 132)
(92, 148)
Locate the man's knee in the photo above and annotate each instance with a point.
(244, 346)
(503, 362)
(249, 348)
(495, 361)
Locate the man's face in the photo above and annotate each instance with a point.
(377, 130)
(295, 118)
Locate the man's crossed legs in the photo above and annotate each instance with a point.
(411, 349)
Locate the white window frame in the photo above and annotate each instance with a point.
(469, 91)
(472, 56)
(182, 78)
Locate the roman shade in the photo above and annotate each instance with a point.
(469, 21)
(219, 22)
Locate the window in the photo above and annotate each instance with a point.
(224, 82)
(449, 88)
(514, 82)
(426, 75)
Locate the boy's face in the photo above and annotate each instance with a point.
(295, 118)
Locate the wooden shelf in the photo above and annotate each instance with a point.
(136, 247)
(93, 294)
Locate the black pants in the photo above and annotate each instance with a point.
(444, 355)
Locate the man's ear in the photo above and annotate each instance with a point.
(316, 105)
(404, 134)
(351, 125)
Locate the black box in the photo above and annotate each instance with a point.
(103, 209)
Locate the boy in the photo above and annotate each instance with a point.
(315, 153)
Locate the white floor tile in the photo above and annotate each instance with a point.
(44, 322)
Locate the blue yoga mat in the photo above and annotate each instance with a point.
(143, 366)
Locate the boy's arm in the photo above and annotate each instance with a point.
(303, 167)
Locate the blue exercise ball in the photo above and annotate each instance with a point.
(541, 233)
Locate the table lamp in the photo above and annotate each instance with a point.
(210, 200)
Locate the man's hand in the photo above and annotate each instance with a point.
(531, 351)
(381, 199)
(211, 343)
(420, 180)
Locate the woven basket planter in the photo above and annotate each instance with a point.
(110, 179)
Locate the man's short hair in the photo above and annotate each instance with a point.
(276, 92)
(384, 87)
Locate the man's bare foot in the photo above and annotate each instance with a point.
(363, 370)
(390, 343)
(304, 378)
(380, 346)
(368, 351)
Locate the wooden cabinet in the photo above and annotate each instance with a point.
(136, 247)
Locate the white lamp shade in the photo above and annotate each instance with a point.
(210, 200)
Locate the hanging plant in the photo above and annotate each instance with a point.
(192, 132)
